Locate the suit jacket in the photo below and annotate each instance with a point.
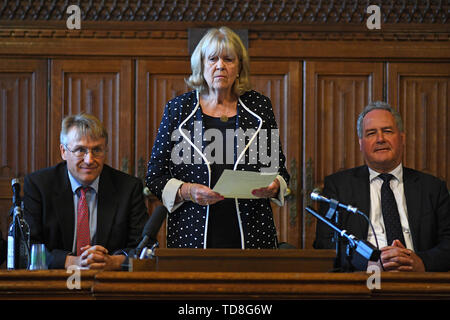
(49, 210)
(3, 249)
(428, 207)
(187, 225)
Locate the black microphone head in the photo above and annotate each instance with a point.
(317, 190)
(155, 222)
(15, 181)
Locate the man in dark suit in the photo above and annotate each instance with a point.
(421, 239)
(85, 212)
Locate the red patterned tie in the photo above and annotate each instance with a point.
(83, 234)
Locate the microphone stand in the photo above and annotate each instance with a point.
(21, 247)
(20, 232)
(332, 211)
(362, 247)
(149, 252)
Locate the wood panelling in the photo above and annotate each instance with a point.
(335, 93)
(23, 116)
(310, 42)
(421, 91)
(23, 125)
(103, 88)
(158, 81)
(281, 81)
(319, 68)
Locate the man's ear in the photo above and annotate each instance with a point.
(63, 151)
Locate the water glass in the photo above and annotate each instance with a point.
(38, 257)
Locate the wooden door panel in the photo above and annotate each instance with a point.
(23, 120)
(421, 92)
(157, 83)
(280, 81)
(102, 88)
(23, 125)
(336, 92)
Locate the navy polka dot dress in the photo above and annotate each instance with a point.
(173, 157)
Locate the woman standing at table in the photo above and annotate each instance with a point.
(185, 165)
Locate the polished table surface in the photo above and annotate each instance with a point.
(55, 284)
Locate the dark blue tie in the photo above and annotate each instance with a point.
(389, 209)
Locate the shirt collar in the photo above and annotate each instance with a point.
(397, 173)
(75, 184)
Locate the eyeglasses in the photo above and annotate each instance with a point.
(81, 152)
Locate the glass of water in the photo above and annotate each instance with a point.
(38, 257)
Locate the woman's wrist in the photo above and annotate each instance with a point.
(277, 182)
(180, 194)
(184, 192)
(189, 193)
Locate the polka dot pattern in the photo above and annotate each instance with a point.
(186, 225)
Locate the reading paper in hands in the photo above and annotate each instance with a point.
(239, 184)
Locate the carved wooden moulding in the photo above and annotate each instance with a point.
(243, 11)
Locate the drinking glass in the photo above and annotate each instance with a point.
(38, 257)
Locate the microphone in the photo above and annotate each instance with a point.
(152, 227)
(363, 247)
(18, 233)
(15, 183)
(318, 197)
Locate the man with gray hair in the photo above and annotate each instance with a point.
(85, 212)
(409, 210)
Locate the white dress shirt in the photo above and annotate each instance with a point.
(376, 216)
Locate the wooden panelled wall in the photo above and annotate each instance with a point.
(318, 77)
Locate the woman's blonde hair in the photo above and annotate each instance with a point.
(222, 40)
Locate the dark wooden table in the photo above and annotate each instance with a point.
(52, 284)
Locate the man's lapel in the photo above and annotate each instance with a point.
(107, 206)
(412, 188)
(63, 204)
(361, 196)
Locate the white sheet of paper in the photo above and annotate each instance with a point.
(239, 184)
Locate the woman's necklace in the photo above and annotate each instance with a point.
(223, 117)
